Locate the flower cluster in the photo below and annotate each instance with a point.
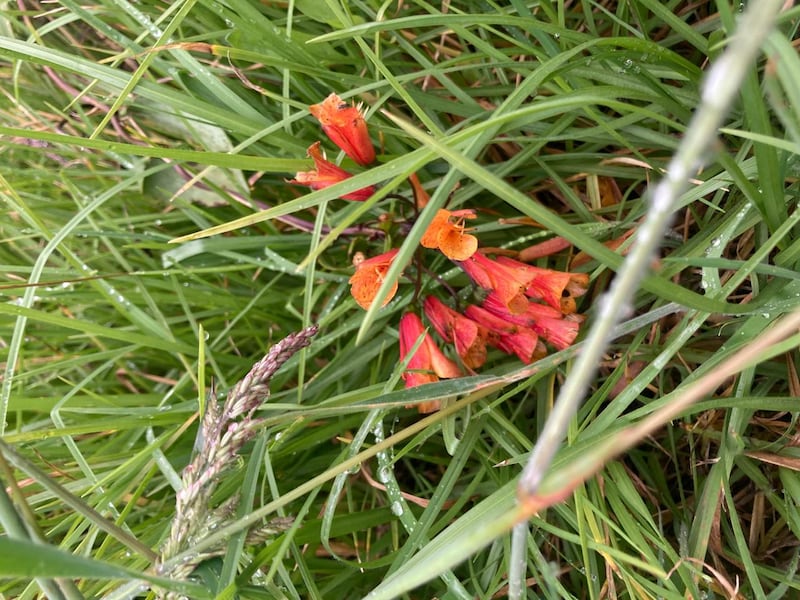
(346, 127)
(523, 308)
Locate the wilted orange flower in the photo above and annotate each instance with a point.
(446, 232)
(421, 197)
(428, 364)
(510, 284)
(506, 336)
(326, 174)
(549, 285)
(546, 321)
(346, 127)
(546, 248)
(369, 275)
(469, 337)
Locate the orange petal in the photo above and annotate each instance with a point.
(457, 245)
(468, 336)
(430, 238)
(368, 278)
(421, 197)
(508, 281)
(365, 286)
(427, 407)
(507, 336)
(428, 363)
(470, 343)
(327, 174)
(441, 365)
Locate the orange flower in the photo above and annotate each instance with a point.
(506, 336)
(453, 327)
(369, 276)
(428, 364)
(326, 174)
(549, 285)
(546, 321)
(509, 283)
(346, 127)
(448, 236)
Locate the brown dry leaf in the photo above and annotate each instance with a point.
(610, 194)
(790, 462)
(341, 549)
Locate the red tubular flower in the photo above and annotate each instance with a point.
(549, 285)
(448, 235)
(509, 283)
(453, 327)
(428, 364)
(346, 127)
(546, 321)
(506, 336)
(369, 276)
(326, 174)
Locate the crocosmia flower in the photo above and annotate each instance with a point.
(548, 285)
(346, 127)
(428, 364)
(446, 232)
(469, 337)
(546, 321)
(509, 283)
(326, 174)
(507, 336)
(369, 275)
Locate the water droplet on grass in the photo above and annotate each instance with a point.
(384, 475)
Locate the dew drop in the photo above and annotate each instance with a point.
(384, 475)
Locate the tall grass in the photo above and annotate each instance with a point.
(125, 127)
